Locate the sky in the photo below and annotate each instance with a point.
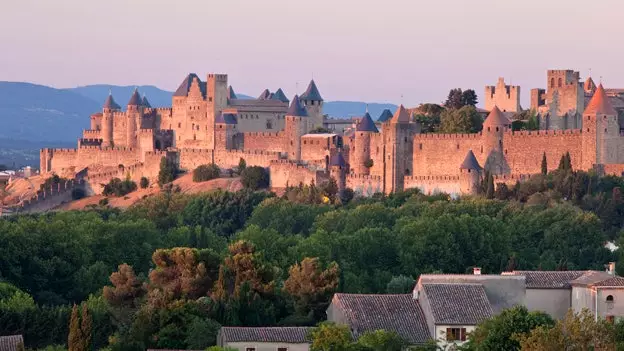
(398, 51)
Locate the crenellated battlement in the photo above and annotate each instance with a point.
(263, 134)
(542, 133)
(435, 178)
(144, 131)
(363, 177)
(89, 133)
(428, 136)
(105, 149)
(512, 177)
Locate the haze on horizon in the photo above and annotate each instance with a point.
(399, 51)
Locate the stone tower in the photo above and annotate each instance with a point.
(296, 126)
(600, 132)
(494, 128)
(506, 97)
(110, 106)
(225, 129)
(565, 99)
(470, 174)
(314, 105)
(217, 93)
(398, 148)
(338, 169)
(133, 119)
(362, 147)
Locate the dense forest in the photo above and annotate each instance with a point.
(169, 271)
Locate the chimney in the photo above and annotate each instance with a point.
(611, 269)
(476, 270)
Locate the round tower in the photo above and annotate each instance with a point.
(110, 106)
(361, 149)
(133, 119)
(338, 170)
(470, 174)
(313, 104)
(296, 126)
(494, 128)
(600, 132)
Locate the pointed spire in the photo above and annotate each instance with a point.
(496, 118)
(231, 93)
(110, 102)
(279, 95)
(470, 162)
(337, 160)
(296, 108)
(589, 86)
(135, 99)
(145, 102)
(600, 104)
(385, 115)
(266, 94)
(312, 93)
(366, 124)
(400, 116)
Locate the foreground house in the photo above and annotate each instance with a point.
(447, 307)
(265, 339)
(11, 343)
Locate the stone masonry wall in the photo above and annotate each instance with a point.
(266, 141)
(442, 154)
(523, 150)
(288, 173)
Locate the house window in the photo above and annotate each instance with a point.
(282, 349)
(455, 334)
(610, 299)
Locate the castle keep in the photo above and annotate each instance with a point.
(208, 123)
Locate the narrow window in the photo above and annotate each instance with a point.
(560, 84)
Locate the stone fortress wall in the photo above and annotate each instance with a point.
(208, 123)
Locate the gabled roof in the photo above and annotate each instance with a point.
(589, 278)
(589, 84)
(458, 304)
(399, 313)
(549, 279)
(226, 118)
(11, 342)
(266, 94)
(600, 104)
(496, 118)
(291, 335)
(312, 93)
(385, 115)
(231, 93)
(337, 160)
(470, 162)
(110, 103)
(296, 108)
(366, 124)
(400, 116)
(145, 102)
(135, 99)
(185, 86)
(279, 95)
(613, 281)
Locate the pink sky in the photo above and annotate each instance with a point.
(355, 49)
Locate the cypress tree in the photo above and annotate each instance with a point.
(74, 339)
(490, 187)
(86, 328)
(544, 164)
(568, 161)
(562, 163)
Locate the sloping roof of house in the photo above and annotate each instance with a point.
(366, 124)
(549, 279)
(185, 86)
(296, 108)
(384, 116)
(399, 313)
(226, 118)
(10, 342)
(496, 118)
(312, 93)
(590, 278)
(458, 304)
(600, 104)
(470, 162)
(613, 281)
(293, 335)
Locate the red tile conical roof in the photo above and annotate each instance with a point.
(600, 104)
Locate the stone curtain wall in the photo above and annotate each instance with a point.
(523, 150)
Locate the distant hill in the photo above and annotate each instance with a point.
(39, 113)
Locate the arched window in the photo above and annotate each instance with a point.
(559, 83)
(610, 299)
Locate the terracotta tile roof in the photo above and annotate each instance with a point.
(600, 104)
(496, 118)
(589, 278)
(366, 124)
(293, 335)
(312, 93)
(385, 115)
(549, 279)
(10, 342)
(400, 116)
(456, 304)
(296, 108)
(399, 313)
(614, 281)
(470, 162)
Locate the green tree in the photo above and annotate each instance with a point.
(311, 287)
(255, 178)
(330, 337)
(241, 165)
(463, 120)
(454, 99)
(400, 285)
(382, 340)
(469, 98)
(206, 172)
(201, 333)
(144, 183)
(544, 164)
(167, 172)
(502, 331)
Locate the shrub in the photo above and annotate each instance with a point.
(117, 187)
(242, 164)
(368, 163)
(167, 173)
(255, 178)
(103, 202)
(144, 183)
(206, 172)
